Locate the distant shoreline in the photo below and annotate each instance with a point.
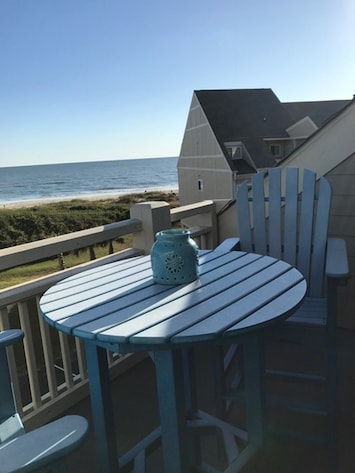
(85, 180)
(93, 198)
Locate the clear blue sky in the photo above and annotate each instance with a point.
(84, 80)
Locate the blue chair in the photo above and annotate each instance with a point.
(285, 214)
(41, 450)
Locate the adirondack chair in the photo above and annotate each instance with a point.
(286, 216)
(42, 450)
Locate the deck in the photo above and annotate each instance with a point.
(136, 413)
(134, 392)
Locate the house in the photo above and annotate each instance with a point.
(231, 134)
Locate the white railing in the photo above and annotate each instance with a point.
(49, 369)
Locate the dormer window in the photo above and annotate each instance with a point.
(235, 151)
(276, 150)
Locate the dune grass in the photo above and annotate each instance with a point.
(21, 274)
(22, 225)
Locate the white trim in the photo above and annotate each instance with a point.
(205, 156)
(286, 139)
(186, 168)
(293, 127)
(202, 125)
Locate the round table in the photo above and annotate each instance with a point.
(119, 307)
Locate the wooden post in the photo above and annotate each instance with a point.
(155, 216)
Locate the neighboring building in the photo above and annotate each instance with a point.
(330, 152)
(231, 134)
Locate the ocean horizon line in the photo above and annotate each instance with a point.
(84, 196)
(7, 166)
(86, 179)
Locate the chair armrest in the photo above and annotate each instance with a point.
(336, 265)
(10, 337)
(229, 244)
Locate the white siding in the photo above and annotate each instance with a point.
(330, 146)
(342, 224)
(202, 161)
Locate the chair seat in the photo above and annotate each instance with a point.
(313, 312)
(303, 325)
(43, 446)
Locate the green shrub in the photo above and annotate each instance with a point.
(23, 225)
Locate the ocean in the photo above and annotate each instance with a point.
(83, 180)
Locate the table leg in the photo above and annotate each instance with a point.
(254, 385)
(188, 360)
(102, 409)
(170, 384)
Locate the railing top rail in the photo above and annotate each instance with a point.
(38, 286)
(41, 249)
(190, 210)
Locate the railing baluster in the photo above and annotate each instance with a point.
(28, 344)
(48, 354)
(4, 319)
(67, 364)
(80, 352)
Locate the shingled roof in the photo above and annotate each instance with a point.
(251, 115)
(319, 112)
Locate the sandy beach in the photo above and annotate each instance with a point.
(35, 203)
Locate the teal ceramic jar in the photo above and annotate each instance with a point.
(174, 257)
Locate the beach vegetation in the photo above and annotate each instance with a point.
(26, 224)
(28, 272)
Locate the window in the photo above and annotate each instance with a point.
(275, 150)
(235, 151)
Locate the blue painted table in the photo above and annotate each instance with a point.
(119, 307)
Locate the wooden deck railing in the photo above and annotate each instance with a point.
(49, 370)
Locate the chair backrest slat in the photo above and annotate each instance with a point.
(275, 222)
(260, 243)
(306, 223)
(243, 216)
(291, 217)
(286, 221)
(320, 237)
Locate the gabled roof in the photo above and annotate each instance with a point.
(328, 122)
(251, 115)
(247, 115)
(319, 112)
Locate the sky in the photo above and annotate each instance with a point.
(91, 80)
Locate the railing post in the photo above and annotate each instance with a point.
(155, 216)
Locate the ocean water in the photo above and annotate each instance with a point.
(91, 179)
